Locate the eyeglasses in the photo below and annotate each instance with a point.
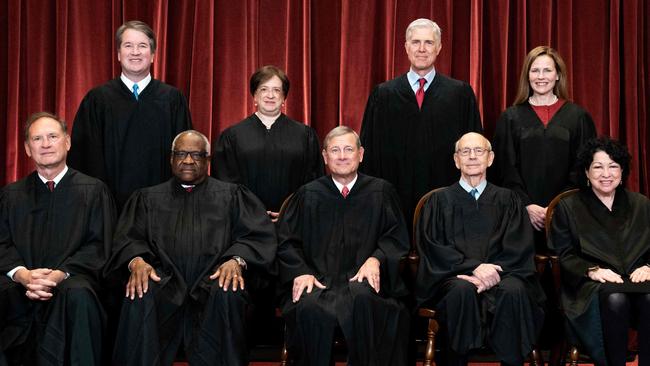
(196, 155)
(267, 90)
(478, 151)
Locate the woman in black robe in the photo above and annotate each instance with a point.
(603, 239)
(268, 152)
(537, 138)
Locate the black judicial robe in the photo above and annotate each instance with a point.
(585, 234)
(536, 161)
(69, 229)
(185, 236)
(127, 142)
(330, 237)
(456, 233)
(272, 163)
(412, 148)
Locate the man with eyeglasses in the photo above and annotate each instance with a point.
(122, 130)
(192, 246)
(341, 240)
(476, 267)
(56, 228)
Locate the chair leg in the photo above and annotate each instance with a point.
(574, 355)
(284, 356)
(431, 342)
(536, 358)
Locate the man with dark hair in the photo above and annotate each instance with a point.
(189, 245)
(122, 130)
(476, 263)
(341, 240)
(56, 226)
(411, 122)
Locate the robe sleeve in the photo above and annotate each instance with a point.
(131, 237)
(369, 129)
(585, 130)
(506, 158)
(291, 256)
(314, 163)
(93, 253)
(392, 245)
(517, 248)
(253, 233)
(225, 165)
(473, 114)
(87, 142)
(181, 117)
(439, 259)
(9, 256)
(565, 242)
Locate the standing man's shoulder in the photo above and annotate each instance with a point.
(449, 84)
(392, 84)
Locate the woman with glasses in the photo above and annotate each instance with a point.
(268, 152)
(537, 138)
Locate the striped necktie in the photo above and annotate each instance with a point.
(135, 91)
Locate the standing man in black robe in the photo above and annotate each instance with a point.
(411, 122)
(477, 267)
(56, 226)
(341, 240)
(122, 131)
(189, 244)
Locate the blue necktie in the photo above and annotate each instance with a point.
(474, 193)
(135, 91)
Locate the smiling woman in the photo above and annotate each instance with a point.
(536, 139)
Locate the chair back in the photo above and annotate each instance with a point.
(551, 207)
(414, 256)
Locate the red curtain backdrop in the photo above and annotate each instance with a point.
(334, 51)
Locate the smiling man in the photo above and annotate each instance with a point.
(476, 267)
(56, 226)
(191, 246)
(341, 240)
(122, 130)
(411, 122)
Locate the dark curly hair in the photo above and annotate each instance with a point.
(616, 151)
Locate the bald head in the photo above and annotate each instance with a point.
(473, 155)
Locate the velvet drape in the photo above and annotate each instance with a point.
(334, 51)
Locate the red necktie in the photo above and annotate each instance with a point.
(189, 189)
(419, 95)
(50, 185)
(345, 191)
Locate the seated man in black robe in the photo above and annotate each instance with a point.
(187, 243)
(341, 240)
(56, 226)
(476, 263)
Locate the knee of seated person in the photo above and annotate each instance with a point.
(616, 301)
(512, 287)
(461, 288)
(308, 303)
(227, 296)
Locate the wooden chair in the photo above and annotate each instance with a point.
(430, 314)
(555, 272)
(284, 354)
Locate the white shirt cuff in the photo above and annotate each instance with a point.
(11, 273)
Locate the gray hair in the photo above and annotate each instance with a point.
(38, 115)
(424, 23)
(340, 131)
(192, 132)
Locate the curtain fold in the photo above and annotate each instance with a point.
(334, 52)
